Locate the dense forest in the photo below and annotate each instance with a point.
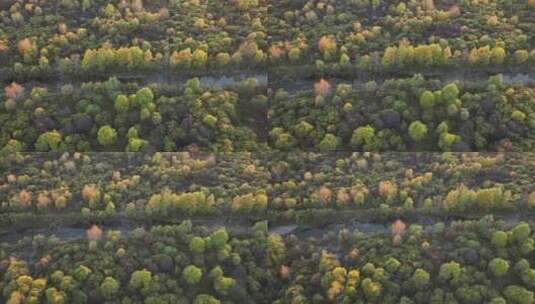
(267, 151)
(241, 227)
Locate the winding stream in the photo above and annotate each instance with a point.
(172, 81)
(307, 84)
(72, 233)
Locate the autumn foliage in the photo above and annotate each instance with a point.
(94, 233)
(322, 88)
(25, 198)
(398, 228)
(25, 46)
(13, 90)
(326, 44)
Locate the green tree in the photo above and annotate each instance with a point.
(294, 54)
(140, 279)
(498, 267)
(420, 278)
(363, 136)
(284, 141)
(122, 103)
(206, 299)
(446, 140)
(531, 199)
(392, 264)
(303, 129)
(450, 271)
(222, 59)
(197, 245)
(518, 295)
(518, 116)
(390, 57)
(136, 144)
(498, 300)
(521, 56)
(427, 100)
(499, 239)
(223, 284)
(219, 238)
(106, 135)
(192, 274)
(372, 290)
(209, 120)
(328, 143)
(48, 141)
(417, 130)
(109, 288)
(246, 4)
(200, 57)
(450, 92)
(276, 250)
(521, 232)
(53, 296)
(497, 55)
(144, 97)
(81, 273)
